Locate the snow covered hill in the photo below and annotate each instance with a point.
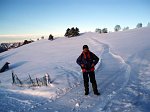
(123, 74)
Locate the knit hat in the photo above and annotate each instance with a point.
(85, 46)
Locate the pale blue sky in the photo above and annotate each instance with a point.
(42, 17)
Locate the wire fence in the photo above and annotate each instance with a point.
(30, 82)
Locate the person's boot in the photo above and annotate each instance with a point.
(86, 90)
(86, 93)
(97, 93)
(94, 85)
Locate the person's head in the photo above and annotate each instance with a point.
(85, 48)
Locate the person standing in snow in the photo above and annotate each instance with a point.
(87, 60)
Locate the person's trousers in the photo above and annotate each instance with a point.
(91, 76)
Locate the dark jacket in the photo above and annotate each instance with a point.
(87, 60)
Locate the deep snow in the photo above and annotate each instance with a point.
(123, 74)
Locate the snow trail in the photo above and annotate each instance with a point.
(112, 75)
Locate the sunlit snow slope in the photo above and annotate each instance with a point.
(123, 74)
